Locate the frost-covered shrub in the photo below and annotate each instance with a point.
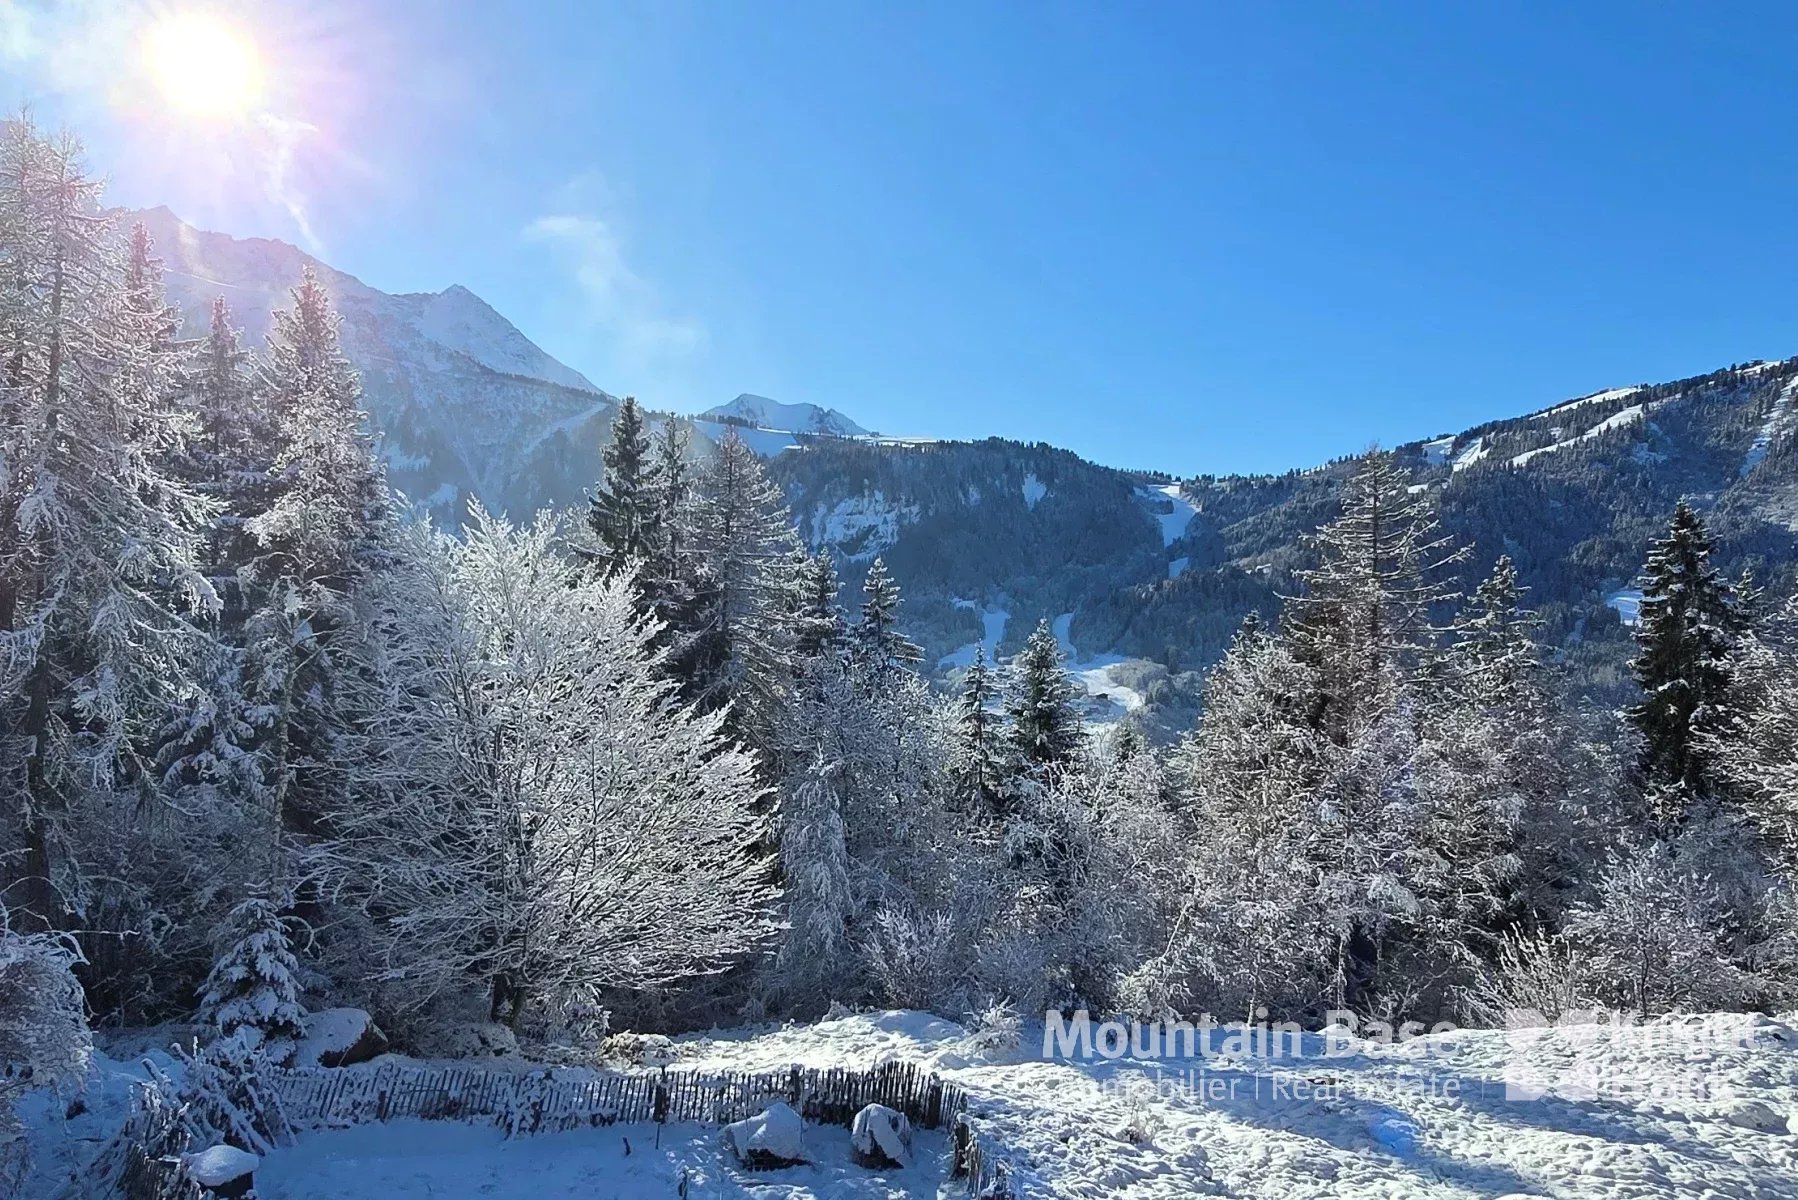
(251, 994)
(912, 959)
(1014, 966)
(1655, 939)
(995, 1031)
(44, 1038)
(1533, 973)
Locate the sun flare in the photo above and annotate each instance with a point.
(203, 67)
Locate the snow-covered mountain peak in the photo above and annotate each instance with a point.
(764, 413)
(464, 403)
(460, 319)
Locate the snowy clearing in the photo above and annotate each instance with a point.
(1628, 603)
(1617, 420)
(992, 626)
(1172, 511)
(421, 1160)
(1778, 421)
(1681, 1106)
(1425, 1119)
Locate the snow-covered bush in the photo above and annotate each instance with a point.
(251, 994)
(44, 1038)
(995, 1031)
(1532, 973)
(913, 959)
(1654, 938)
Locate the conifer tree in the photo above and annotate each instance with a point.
(322, 531)
(978, 770)
(99, 587)
(877, 643)
(741, 539)
(820, 628)
(1688, 630)
(1363, 617)
(229, 459)
(621, 512)
(252, 984)
(1045, 726)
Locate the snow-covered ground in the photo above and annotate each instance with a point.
(426, 1160)
(1778, 421)
(1173, 511)
(1095, 675)
(1662, 1111)
(1684, 1106)
(1617, 420)
(992, 631)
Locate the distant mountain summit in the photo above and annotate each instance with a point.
(463, 403)
(763, 413)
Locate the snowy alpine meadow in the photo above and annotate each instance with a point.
(348, 854)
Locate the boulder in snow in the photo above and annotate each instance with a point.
(640, 1049)
(339, 1037)
(881, 1137)
(470, 1039)
(222, 1170)
(1752, 1114)
(770, 1139)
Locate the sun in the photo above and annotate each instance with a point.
(203, 67)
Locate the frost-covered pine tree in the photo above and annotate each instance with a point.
(741, 537)
(816, 958)
(1364, 614)
(99, 585)
(326, 519)
(229, 459)
(876, 641)
(1686, 637)
(978, 761)
(252, 994)
(1755, 751)
(621, 512)
(527, 809)
(819, 624)
(1046, 733)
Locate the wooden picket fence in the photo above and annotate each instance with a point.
(980, 1161)
(547, 1101)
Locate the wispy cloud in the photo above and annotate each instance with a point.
(618, 301)
(284, 137)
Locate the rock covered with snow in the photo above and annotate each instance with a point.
(1755, 1115)
(225, 1170)
(881, 1137)
(339, 1037)
(640, 1049)
(772, 1138)
(472, 1039)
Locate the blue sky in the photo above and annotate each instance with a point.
(1182, 236)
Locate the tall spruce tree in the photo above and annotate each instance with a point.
(1364, 616)
(324, 528)
(739, 647)
(230, 456)
(978, 769)
(1687, 634)
(876, 641)
(99, 584)
(819, 624)
(622, 511)
(1046, 734)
